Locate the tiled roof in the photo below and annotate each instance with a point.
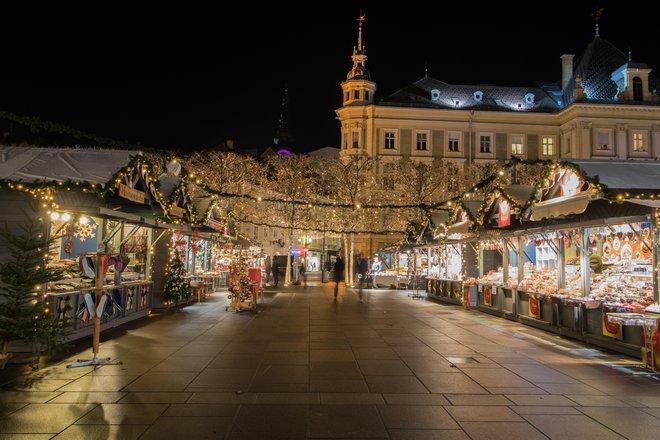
(595, 66)
(432, 93)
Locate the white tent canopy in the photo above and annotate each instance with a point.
(35, 164)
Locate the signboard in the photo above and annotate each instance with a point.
(295, 252)
(488, 296)
(176, 211)
(570, 184)
(534, 308)
(503, 212)
(131, 194)
(612, 329)
(214, 224)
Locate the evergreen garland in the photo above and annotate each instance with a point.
(176, 286)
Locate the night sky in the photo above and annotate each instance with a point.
(196, 88)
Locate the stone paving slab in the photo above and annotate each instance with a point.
(306, 367)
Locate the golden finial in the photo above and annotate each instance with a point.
(596, 15)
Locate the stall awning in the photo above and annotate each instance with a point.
(559, 207)
(649, 203)
(620, 174)
(35, 164)
(459, 228)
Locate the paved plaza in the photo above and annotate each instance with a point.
(305, 366)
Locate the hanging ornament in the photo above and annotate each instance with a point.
(85, 231)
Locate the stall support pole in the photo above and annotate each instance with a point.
(96, 336)
(585, 267)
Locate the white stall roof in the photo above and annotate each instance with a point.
(34, 164)
(622, 174)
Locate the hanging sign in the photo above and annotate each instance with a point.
(131, 194)
(534, 308)
(214, 224)
(488, 296)
(612, 329)
(570, 184)
(504, 213)
(176, 211)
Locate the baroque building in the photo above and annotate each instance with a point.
(606, 106)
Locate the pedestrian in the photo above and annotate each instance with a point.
(339, 273)
(363, 268)
(268, 268)
(275, 267)
(302, 274)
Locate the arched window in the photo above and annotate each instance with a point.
(637, 89)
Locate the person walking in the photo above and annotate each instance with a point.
(339, 273)
(302, 274)
(275, 266)
(268, 269)
(363, 268)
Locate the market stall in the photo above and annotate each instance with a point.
(91, 202)
(583, 254)
(498, 250)
(451, 279)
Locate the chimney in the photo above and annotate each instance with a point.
(566, 70)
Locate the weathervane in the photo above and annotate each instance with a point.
(360, 20)
(596, 15)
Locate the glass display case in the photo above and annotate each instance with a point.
(621, 265)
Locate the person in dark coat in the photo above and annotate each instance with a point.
(275, 266)
(268, 268)
(339, 273)
(362, 269)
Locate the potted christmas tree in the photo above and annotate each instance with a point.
(176, 285)
(24, 312)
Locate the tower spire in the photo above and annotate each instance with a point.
(596, 15)
(360, 20)
(284, 137)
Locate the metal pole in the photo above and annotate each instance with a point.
(323, 256)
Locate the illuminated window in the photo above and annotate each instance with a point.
(454, 141)
(422, 140)
(639, 143)
(516, 144)
(390, 140)
(637, 89)
(355, 140)
(484, 143)
(548, 146)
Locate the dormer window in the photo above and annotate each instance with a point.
(529, 98)
(478, 96)
(456, 101)
(435, 95)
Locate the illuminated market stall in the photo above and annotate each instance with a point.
(92, 201)
(585, 250)
(498, 250)
(450, 278)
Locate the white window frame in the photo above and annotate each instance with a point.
(522, 144)
(597, 148)
(492, 147)
(395, 133)
(427, 141)
(645, 140)
(454, 135)
(554, 145)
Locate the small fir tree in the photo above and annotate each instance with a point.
(24, 312)
(176, 286)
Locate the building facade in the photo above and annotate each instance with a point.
(605, 106)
